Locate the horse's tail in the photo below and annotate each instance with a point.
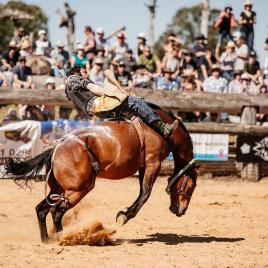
(28, 169)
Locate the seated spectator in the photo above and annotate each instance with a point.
(101, 42)
(227, 60)
(141, 43)
(26, 48)
(130, 61)
(215, 83)
(3, 80)
(189, 82)
(31, 112)
(10, 56)
(166, 82)
(200, 51)
(100, 54)
(113, 65)
(48, 109)
(80, 58)
(173, 43)
(265, 67)
(90, 43)
(171, 62)
(235, 86)
(150, 61)
(96, 74)
(253, 68)
(22, 75)
(188, 61)
(123, 77)
(142, 78)
(60, 60)
(263, 89)
(248, 86)
(247, 21)
(42, 45)
(241, 52)
(119, 47)
(225, 23)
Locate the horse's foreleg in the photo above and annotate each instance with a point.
(150, 174)
(42, 210)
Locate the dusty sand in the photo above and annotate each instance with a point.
(226, 225)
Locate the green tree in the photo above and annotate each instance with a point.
(7, 25)
(186, 25)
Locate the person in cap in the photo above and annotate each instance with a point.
(224, 23)
(247, 21)
(90, 43)
(235, 86)
(111, 99)
(10, 56)
(22, 75)
(227, 60)
(101, 42)
(96, 74)
(248, 86)
(48, 110)
(253, 68)
(150, 61)
(141, 43)
(42, 45)
(119, 47)
(241, 50)
(80, 58)
(166, 82)
(60, 60)
(142, 78)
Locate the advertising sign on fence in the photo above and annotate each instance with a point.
(252, 149)
(210, 147)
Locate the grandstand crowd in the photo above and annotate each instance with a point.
(232, 66)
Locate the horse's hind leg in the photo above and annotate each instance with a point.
(42, 210)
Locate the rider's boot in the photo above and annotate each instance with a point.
(166, 129)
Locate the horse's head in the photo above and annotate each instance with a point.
(181, 193)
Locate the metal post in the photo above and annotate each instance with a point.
(205, 7)
(152, 7)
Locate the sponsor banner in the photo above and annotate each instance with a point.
(252, 149)
(210, 147)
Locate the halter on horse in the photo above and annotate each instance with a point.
(119, 149)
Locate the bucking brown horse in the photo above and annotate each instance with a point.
(113, 150)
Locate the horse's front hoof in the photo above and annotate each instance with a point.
(121, 218)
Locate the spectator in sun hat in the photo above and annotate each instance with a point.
(235, 85)
(141, 43)
(189, 82)
(166, 82)
(242, 51)
(10, 56)
(123, 77)
(119, 47)
(228, 59)
(247, 21)
(60, 60)
(253, 68)
(96, 74)
(101, 42)
(42, 45)
(90, 43)
(224, 23)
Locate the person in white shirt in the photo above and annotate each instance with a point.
(236, 86)
(96, 74)
(242, 51)
(42, 46)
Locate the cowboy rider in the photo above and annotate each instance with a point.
(111, 98)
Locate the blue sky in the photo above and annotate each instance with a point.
(111, 14)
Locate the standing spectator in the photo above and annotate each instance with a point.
(48, 109)
(124, 78)
(235, 86)
(60, 60)
(142, 78)
(200, 50)
(241, 52)
(227, 60)
(225, 23)
(247, 21)
(96, 74)
(119, 47)
(22, 75)
(253, 68)
(80, 58)
(10, 56)
(172, 43)
(150, 61)
(141, 39)
(130, 61)
(171, 62)
(90, 43)
(265, 68)
(166, 82)
(215, 83)
(101, 42)
(42, 45)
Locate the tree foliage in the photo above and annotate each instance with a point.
(186, 25)
(7, 25)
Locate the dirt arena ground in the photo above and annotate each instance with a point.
(226, 225)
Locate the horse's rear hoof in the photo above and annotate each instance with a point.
(121, 219)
